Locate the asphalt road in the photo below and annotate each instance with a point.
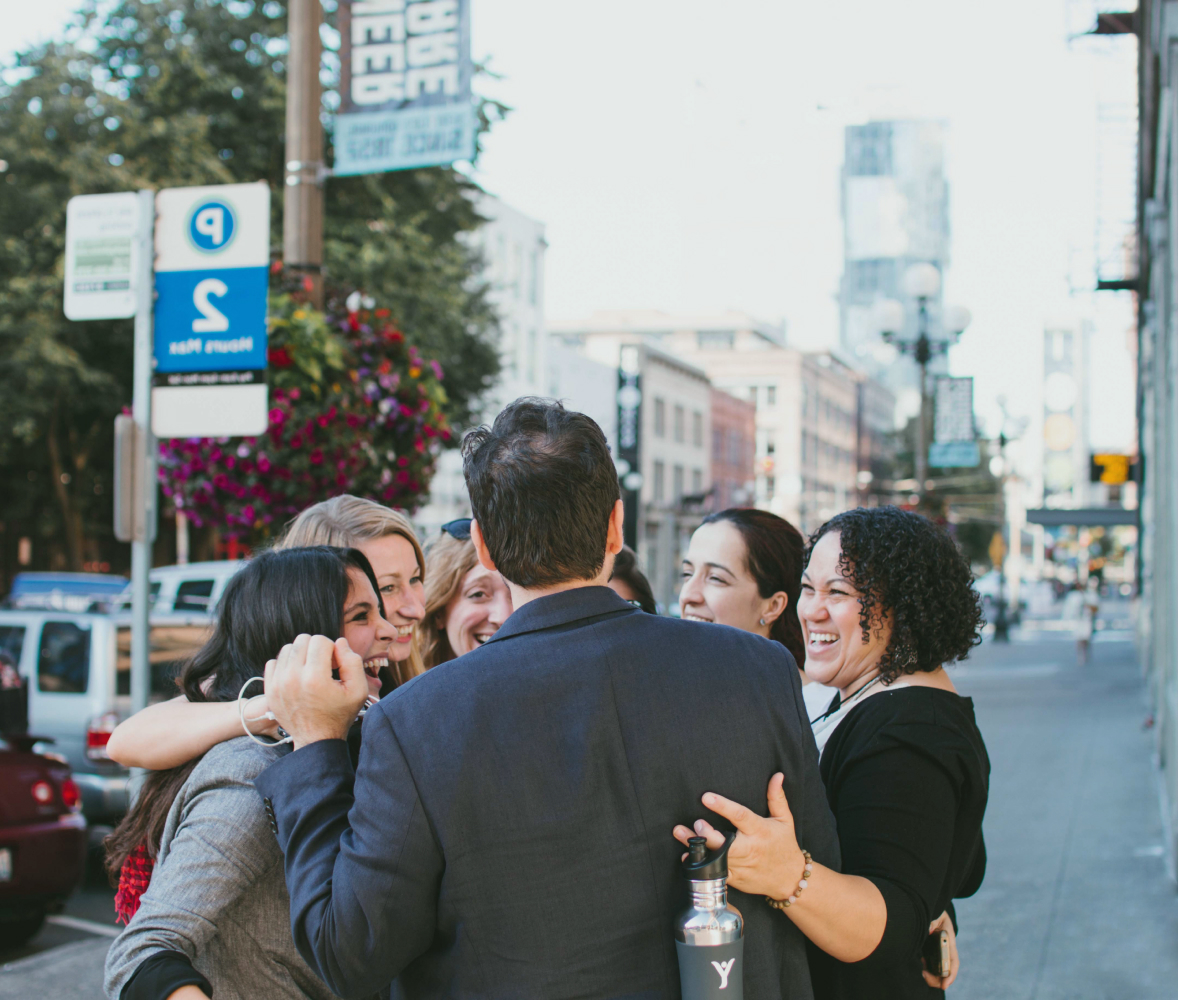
(1076, 905)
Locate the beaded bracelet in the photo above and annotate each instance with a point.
(781, 904)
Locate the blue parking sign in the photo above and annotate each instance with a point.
(212, 282)
(207, 321)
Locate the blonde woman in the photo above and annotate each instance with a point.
(174, 732)
(464, 603)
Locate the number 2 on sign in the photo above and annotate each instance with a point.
(213, 320)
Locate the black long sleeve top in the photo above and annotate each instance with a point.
(907, 778)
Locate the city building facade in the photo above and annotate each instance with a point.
(807, 445)
(1155, 281)
(734, 450)
(895, 201)
(513, 249)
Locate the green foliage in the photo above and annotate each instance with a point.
(167, 94)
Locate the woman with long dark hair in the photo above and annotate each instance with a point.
(172, 732)
(202, 876)
(744, 569)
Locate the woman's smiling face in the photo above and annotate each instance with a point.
(366, 630)
(829, 609)
(476, 611)
(717, 585)
(394, 563)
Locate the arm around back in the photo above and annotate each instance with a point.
(362, 868)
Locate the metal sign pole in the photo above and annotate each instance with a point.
(145, 485)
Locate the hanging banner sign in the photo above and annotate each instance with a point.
(100, 256)
(405, 73)
(954, 441)
(211, 281)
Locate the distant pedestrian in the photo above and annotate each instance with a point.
(886, 601)
(630, 583)
(1089, 608)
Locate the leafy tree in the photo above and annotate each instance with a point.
(166, 94)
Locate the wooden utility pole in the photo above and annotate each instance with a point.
(302, 225)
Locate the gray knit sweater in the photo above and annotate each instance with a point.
(217, 892)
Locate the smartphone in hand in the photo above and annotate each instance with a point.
(936, 954)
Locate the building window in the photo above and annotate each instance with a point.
(715, 339)
(697, 481)
(697, 429)
(677, 483)
(659, 475)
(770, 487)
(753, 394)
(680, 424)
(660, 418)
(770, 395)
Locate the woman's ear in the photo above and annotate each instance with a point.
(774, 607)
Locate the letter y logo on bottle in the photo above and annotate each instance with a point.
(724, 968)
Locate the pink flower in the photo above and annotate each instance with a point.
(263, 463)
(317, 456)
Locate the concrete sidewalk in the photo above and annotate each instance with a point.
(1076, 903)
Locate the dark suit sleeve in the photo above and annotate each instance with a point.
(363, 869)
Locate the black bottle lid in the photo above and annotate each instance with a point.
(702, 866)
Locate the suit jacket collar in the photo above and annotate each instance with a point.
(562, 609)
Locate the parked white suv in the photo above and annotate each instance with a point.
(79, 672)
(191, 588)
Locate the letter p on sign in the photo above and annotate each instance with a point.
(210, 222)
(212, 227)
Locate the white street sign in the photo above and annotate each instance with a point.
(211, 283)
(101, 256)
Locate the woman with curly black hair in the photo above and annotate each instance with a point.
(886, 602)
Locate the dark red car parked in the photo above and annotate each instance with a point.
(42, 830)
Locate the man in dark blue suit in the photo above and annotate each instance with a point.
(508, 831)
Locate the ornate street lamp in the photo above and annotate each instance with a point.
(922, 282)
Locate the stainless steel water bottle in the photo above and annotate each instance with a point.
(709, 935)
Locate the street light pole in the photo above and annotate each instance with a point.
(302, 222)
(922, 282)
(923, 354)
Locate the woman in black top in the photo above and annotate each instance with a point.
(886, 601)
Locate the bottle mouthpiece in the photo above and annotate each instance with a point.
(700, 865)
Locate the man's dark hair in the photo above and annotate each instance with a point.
(904, 565)
(542, 487)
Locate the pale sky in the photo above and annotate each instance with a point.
(685, 156)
